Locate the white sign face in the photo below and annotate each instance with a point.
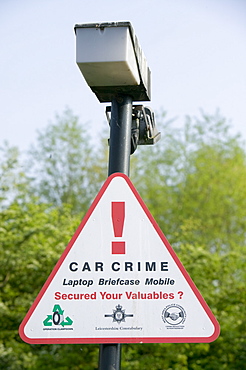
(119, 281)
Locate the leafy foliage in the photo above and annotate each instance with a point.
(193, 182)
(13, 181)
(64, 165)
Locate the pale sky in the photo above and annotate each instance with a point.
(196, 50)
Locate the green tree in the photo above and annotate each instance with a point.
(195, 179)
(193, 182)
(13, 180)
(64, 165)
(198, 197)
(32, 239)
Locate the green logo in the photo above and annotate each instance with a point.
(57, 318)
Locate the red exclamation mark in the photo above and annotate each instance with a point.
(118, 218)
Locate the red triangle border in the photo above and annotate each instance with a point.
(206, 308)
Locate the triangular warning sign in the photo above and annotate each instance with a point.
(119, 281)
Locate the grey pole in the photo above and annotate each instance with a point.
(119, 161)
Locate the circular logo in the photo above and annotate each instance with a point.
(173, 314)
(118, 315)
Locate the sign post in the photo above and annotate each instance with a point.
(119, 280)
(119, 161)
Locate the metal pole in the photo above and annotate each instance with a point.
(119, 161)
(110, 356)
(120, 135)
